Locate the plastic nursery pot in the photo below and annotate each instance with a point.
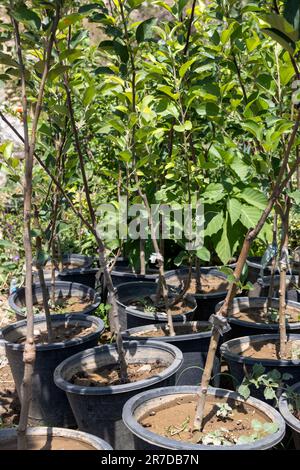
(121, 274)
(52, 439)
(70, 262)
(255, 268)
(192, 342)
(290, 419)
(146, 402)
(234, 352)
(246, 317)
(85, 276)
(49, 405)
(98, 410)
(206, 303)
(132, 317)
(63, 290)
(262, 285)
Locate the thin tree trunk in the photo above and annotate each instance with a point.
(29, 150)
(274, 262)
(42, 282)
(282, 289)
(142, 257)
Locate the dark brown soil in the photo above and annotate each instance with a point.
(270, 350)
(52, 443)
(61, 333)
(182, 330)
(261, 315)
(9, 402)
(208, 284)
(175, 419)
(111, 375)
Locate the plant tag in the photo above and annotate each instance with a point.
(220, 323)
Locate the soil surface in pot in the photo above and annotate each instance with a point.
(179, 330)
(110, 375)
(269, 349)
(208, 284)
(9, 402)
(175, 419)
(61, 333)
(50, 443)
(72, 304)
(263, 315)
(148, 306)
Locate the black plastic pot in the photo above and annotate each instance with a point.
(193, 345)
(262, 285)
(98, 410)
(76, 261)
(122, 274)
(49, 405)
(206, 303)
(290, 419)
(85, 276)
(240, 365)
(131, 317)
(247, 327)
(62, 289)
(52, 439)
(144, 439)
(255, 268)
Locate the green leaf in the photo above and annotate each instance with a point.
(256, 425)
(126, 156)
(187, 126)
(295, 195)
(254, 197)
(234, 209)
(249, 216)
(144, 31)
(269, 393)
(6, 59)
(223, 248)
(282, 39)
(270, 428)
(292, 14)
(214, 193)
(135, 3)
(168, 91)
(57, 71)
(185, 67)
(180, 258)
(116, 48)
(215, 224)
(89, 95)
(244, 391)
(203, 254)
(254, 128)
(24, 15)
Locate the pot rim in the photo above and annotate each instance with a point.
(94, 441)
(230, 356)
(258, 325)
(289, 418)
(212, 272)
(123, 388)
(154, 316)
(58, 285)
(100, 327)
(131, 423)
(177, 338)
